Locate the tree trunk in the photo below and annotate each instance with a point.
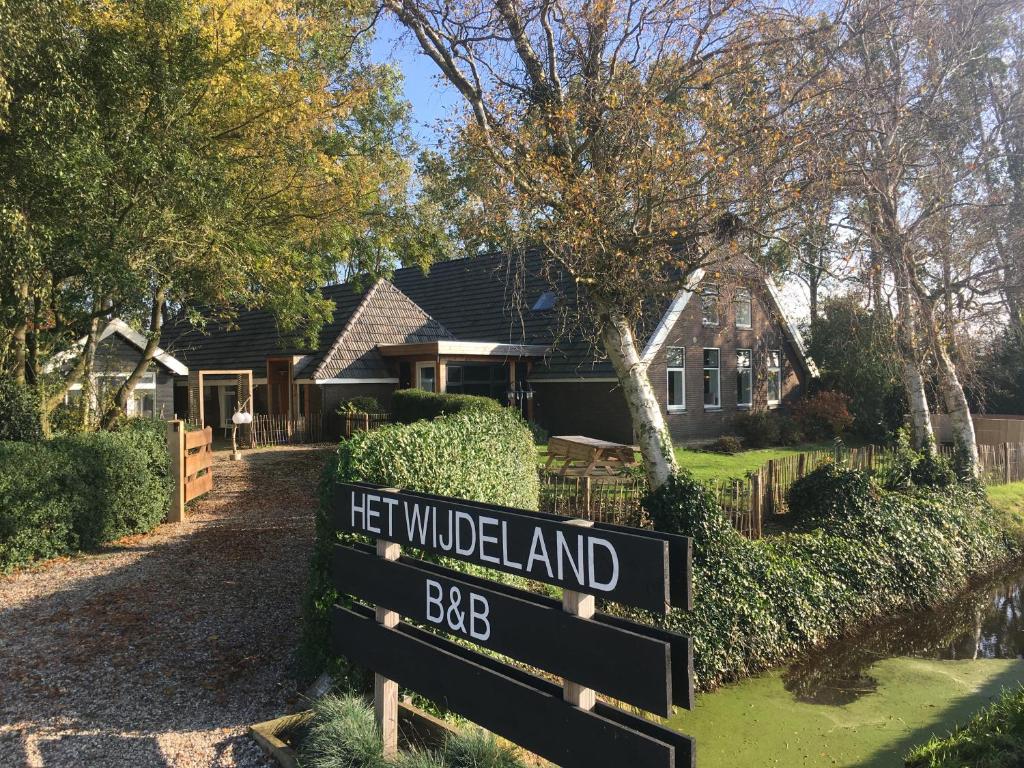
(119, 406)
(644, 411)
(913, 381)
(19, 337)
(80, 372)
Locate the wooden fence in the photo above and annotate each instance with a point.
(191, 454)
(747, 501)
(318, 427)
(614, 499)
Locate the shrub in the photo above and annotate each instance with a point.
(898, 472)
(36, 519)
(360, 404)
(540, 435)
(728, 444)
(992, 738)
(933, 471)
(790, 432)
(823, 415)
(409, 405)
(482, 455)
(79, 492)
(19, 412)
(829, 493)
(686, 507)
(758, 429)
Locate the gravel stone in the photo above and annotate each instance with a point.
(161, 649)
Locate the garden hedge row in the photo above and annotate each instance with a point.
(63, 495)
(861, 552)
(409, 405)
(483, 455)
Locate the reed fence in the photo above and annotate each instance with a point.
(318, 427)
(604, 499)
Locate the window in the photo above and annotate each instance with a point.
(426, 377)
(744, 380)
(709, 305)
(712, 379)
(486, 379)
(544, 302)
(774, 377)
(742, 306)
(675, 362)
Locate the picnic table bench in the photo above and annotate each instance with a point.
(581, 456)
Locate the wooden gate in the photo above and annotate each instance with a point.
(191, 456)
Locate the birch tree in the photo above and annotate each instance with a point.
(632, 141)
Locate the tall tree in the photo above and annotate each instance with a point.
(223, 153)
(633, 142)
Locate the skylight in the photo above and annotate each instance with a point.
(544, 302)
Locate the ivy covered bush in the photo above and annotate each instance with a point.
(860, 552)
(409, 405)
(482, 455)
(59, 496)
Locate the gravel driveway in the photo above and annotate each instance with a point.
(161, 649)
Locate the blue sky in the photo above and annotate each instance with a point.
(430, 98)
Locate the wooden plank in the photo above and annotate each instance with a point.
(680, 547)
(201, 459)
(613, 564)
(198, 438)
(198, 486)
(521, 625)
(176, 450)
(514, 704)
(385, 690)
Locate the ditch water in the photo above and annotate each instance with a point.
(865, 700)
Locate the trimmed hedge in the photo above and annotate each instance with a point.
(870, 552)
(409, 405)
(483, 455)
(992, 738)
(72, 493)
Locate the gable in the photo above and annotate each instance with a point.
(385, 316)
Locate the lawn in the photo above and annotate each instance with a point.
(714, 466)
(1009, 499)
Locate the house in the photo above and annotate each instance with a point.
(487, 326)
(118, 349)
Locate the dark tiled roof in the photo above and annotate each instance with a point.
(253, 335)
(386, 316)
(490, 298)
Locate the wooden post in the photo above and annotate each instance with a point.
(755, 500)
(771, 487)
(1006, 458)
(586, 493)
(385, 691)
(871, 458)
(176, 451)
(584, 606)
(801, 465)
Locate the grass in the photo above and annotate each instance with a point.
(1009, 499)
(992, 738)
(719, 466)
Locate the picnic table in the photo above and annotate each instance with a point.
(581, 456)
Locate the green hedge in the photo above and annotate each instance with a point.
(409, 405)
(19, 411)
(73, 493)
(482, 455)
(869, 552)
(992, 738)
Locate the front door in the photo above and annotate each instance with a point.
(279, 386)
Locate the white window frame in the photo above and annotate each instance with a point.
(420, 365)
(681, 370)
(744, 295)
(749, 368)
(710, 292)
(775, 371)
(718, 378)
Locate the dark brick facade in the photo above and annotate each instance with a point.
(598, 409)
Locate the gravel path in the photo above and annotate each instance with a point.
(161, 649)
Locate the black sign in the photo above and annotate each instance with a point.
(521, 707)
(522, 626)
(629, 662)
(623, 567)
